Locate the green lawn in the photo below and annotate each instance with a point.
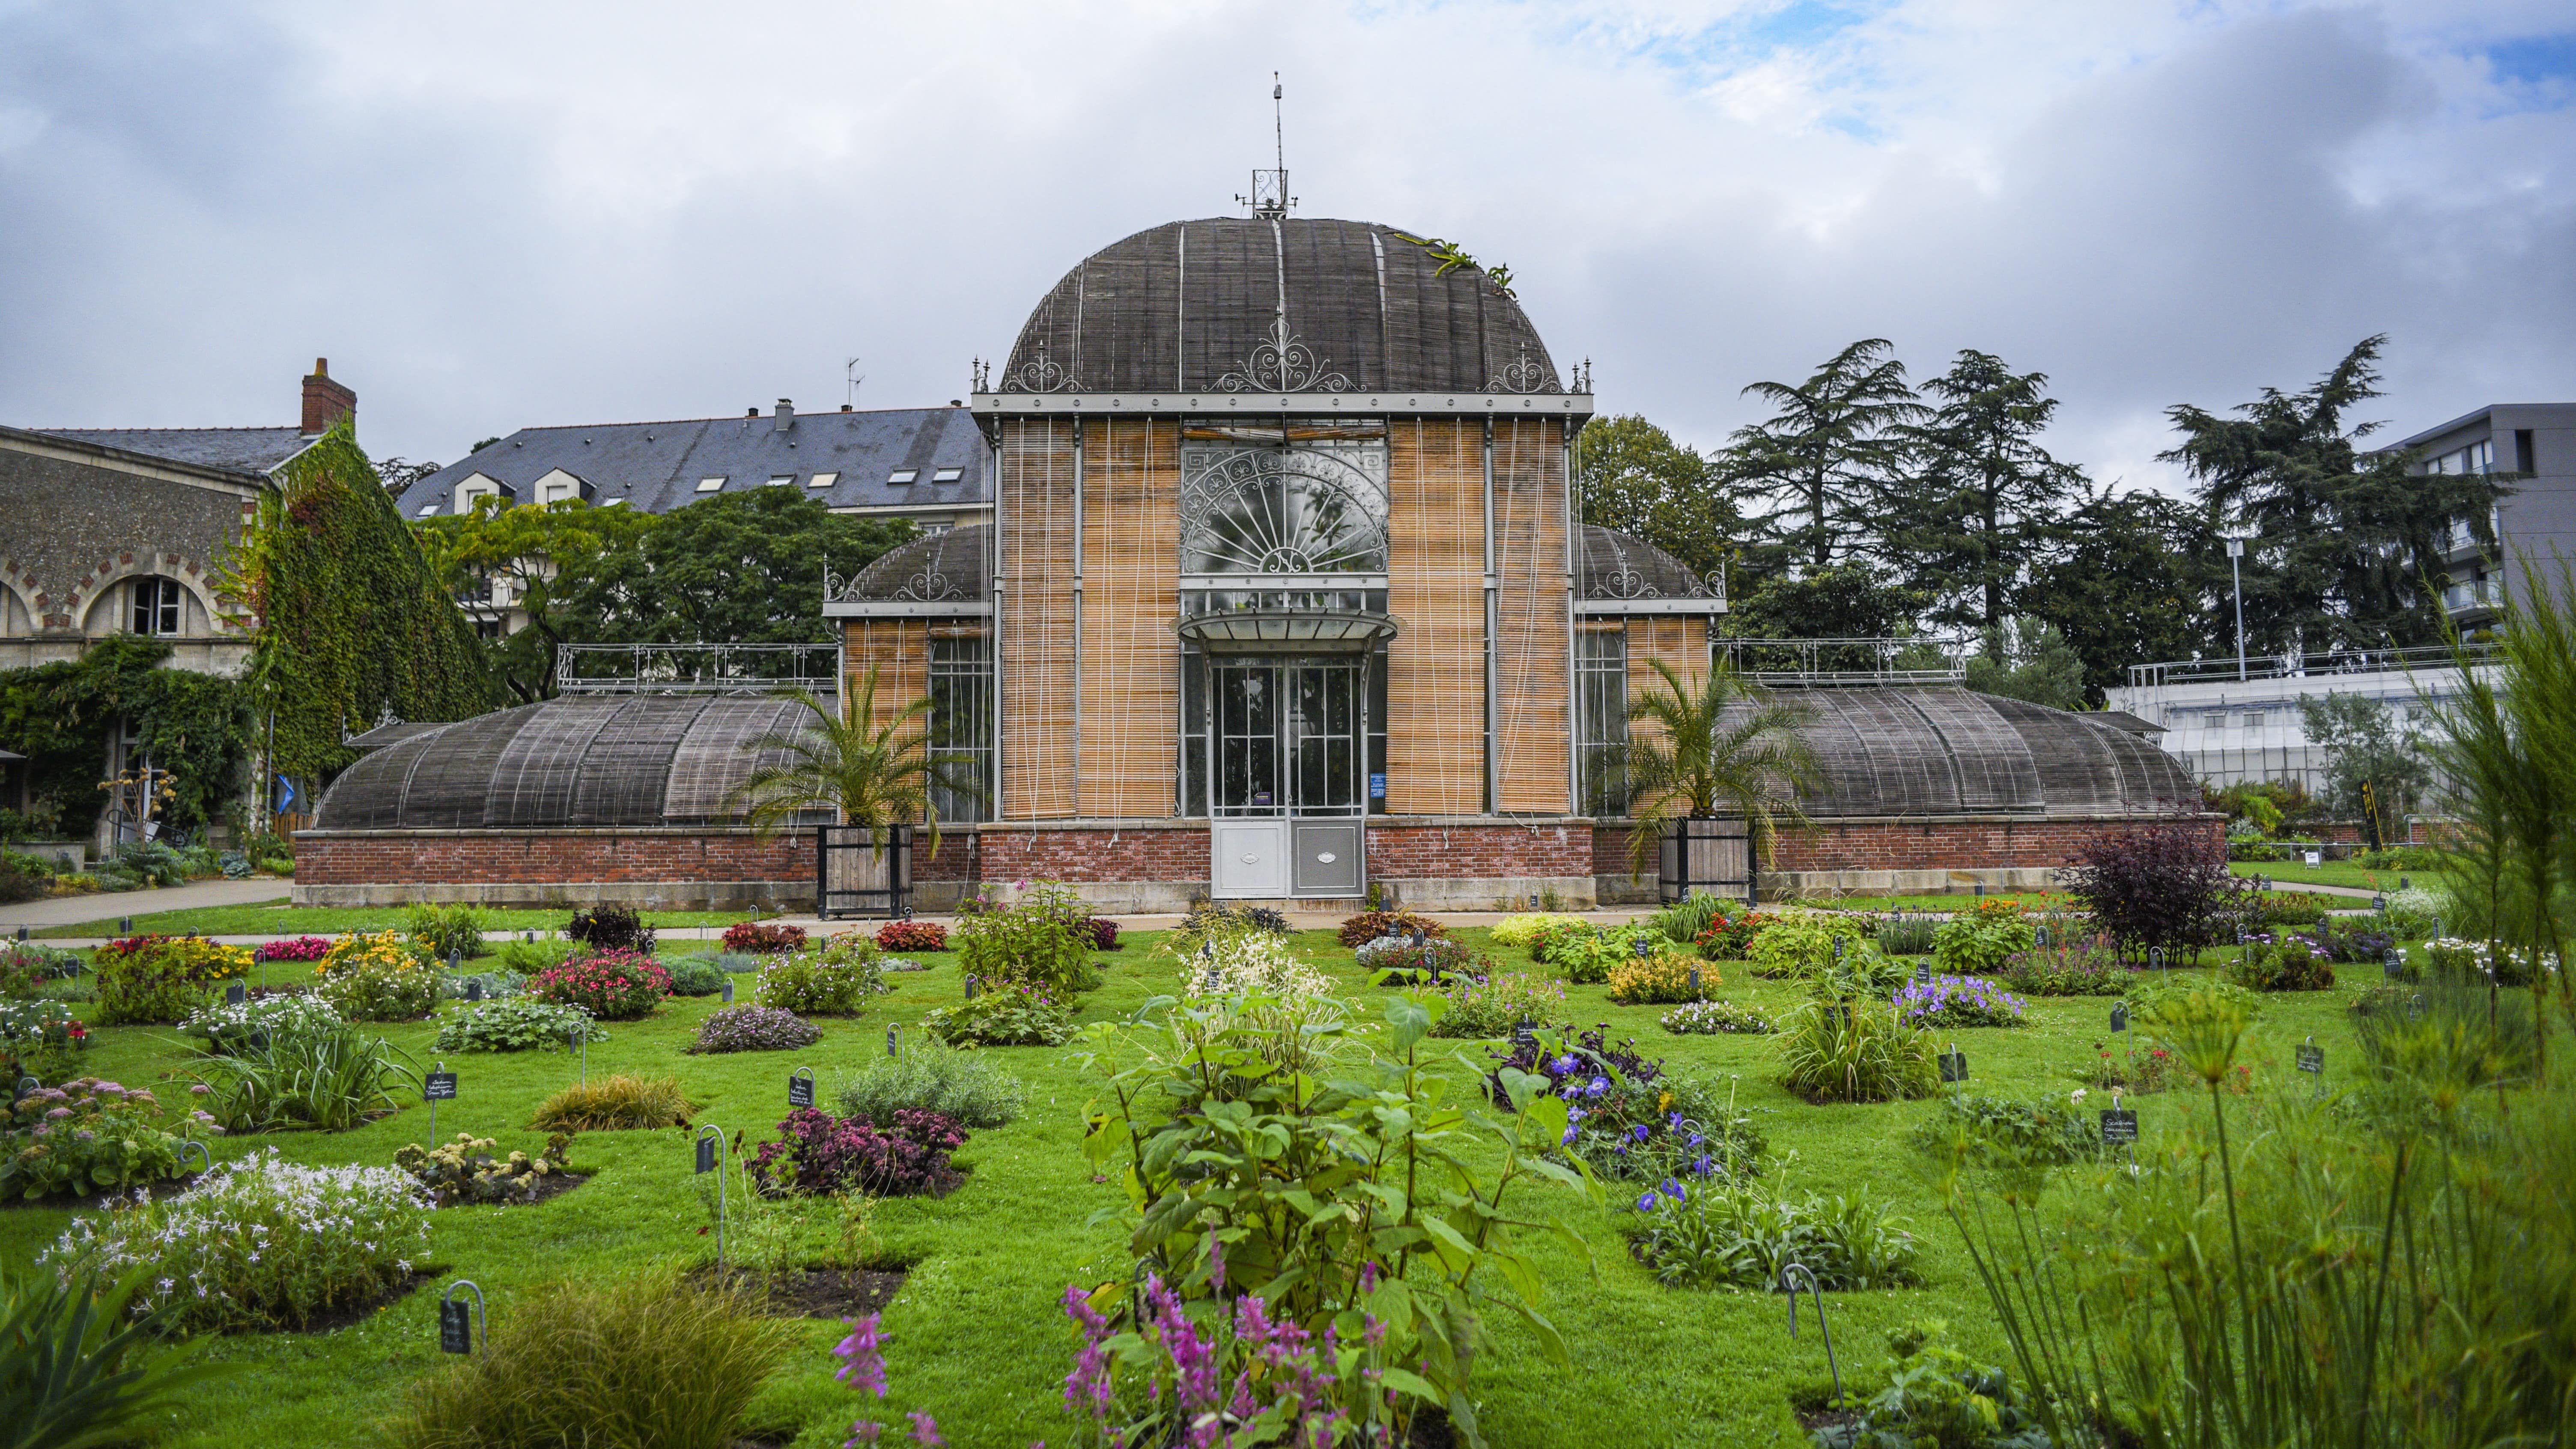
(277, 918)
(2290, 875)
(977, 1337)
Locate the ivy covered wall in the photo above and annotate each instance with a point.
(352, 623)
(197, 726)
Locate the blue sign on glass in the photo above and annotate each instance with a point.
(1377, 787)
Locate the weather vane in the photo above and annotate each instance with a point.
(1270, 196)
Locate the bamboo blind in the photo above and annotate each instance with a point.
(1533, 612)
(1038, 686)
(899, 651)
(1131, 595)
(1435, 688)
(1681, 641)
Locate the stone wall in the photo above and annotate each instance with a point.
(76, 528)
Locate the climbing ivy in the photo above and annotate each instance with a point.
(351, 621)
(196, 726)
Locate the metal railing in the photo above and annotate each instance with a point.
(697, 668)
(2420, 659)
(2475, 594)
(1825, 663)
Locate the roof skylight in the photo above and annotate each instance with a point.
(822, 480)
(947, 475)
(903, 475)
(710, 485)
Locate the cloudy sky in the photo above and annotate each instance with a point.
(496, 215)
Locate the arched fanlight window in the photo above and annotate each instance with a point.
(1292, 510)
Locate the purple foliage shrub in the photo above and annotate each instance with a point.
(2164, 886)
(755, 1029)
(820, 1153)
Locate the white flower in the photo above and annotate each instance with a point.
(2076, 1096)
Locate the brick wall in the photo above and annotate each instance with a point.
(1481, 851)
(1178, 851)
(1956, 844)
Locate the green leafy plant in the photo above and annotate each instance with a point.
(1740, 1233)
(74, 1373)
(1011, 1014)
(1662, 978)
(329, 1080)
(615, 1104)
(1975, 942)
(2007, 1132)
(86, 1136)
(930, 1076)
(1525, 929)
(695, 976)
(750, 1028)
(1708, 1018)
(642, 1361)
(2291, 965)
(1939, 1397)
(835, 978)
(1852, 1049)
(227, 1026)
(447, 930)
(259, 1243)
(1497, 1005)
(1797, 944)
(1380, 1192)
(378, 977)
(1589, 955)
(516, 1024)
(1044, 937)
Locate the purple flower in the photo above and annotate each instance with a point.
(863, 1356)
(925, 1430)
(865, 1431)
(1569, 1137)
(1566, 1064)
(1599, 1086)
(1638, 1131)
(1647, 1203)
(57, 1114)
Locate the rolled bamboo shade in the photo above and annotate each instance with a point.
(1131, 596)
(1534, 604)
(1435, 690)
(1035, 493)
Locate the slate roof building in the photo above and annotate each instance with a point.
(922, 464)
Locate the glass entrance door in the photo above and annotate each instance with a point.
(1285, 745)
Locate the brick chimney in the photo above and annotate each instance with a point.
(325, 401)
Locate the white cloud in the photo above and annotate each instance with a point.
(502, 215)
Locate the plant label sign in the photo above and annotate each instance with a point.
(234, 995)
(474, 989)
(438, 1087)
(800, 1089)
(1923, 973)
(728, 993)
(2312, 1059)
(2120, 1017)
(2119, 1124)
(706, 1154)
(455, 1326)
(1954, 1066)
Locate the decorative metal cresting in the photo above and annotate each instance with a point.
(930, 584)
(1282, 363)
(1790, 1273)
(1525, 374)
(1041, 374)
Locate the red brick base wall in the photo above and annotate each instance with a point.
(1176, 852)
(687, 867)
(1480, 851)
(1922, 847)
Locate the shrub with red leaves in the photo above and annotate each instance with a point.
(1104, 933)
(757, 939)
(912, 936)
(302, 948)
(820, 1153)
(2163, 886)
(611, 986)
(1369, 926)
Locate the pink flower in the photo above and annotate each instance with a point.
(865, 1431)
(925, 1430)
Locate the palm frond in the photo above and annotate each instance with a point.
(1719, 743)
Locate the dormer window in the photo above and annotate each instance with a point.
(903, 475)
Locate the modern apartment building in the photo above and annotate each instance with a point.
(2537, 442)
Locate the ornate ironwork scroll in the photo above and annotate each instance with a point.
(1282, 364)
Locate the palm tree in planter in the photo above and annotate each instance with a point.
(875, 774)
(1721, 746)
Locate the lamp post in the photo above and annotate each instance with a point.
(2235, 571)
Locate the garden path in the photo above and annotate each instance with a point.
(196, 895)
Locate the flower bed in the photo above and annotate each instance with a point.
(1709, 1018)
(755, 1029)
(1957, 1001)
(301, 948)
(1005, 1014)
(1495, 1006)
(162, 978)
(40, 1039)
(83, 1137)
(378, 976)
(912, 936)
(261, 1243)
(230, 1026)
(761, 939)
(834, 978)
(516, 1024)
(613, 985)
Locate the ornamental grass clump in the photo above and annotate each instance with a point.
(611, 985)
(1495, 1006)
(1957, 1001)
(1852, 1049)
(1010, 1013)
(968, 1087)
(1710, 1018)
(1367, 926)
(88, 1136)
(653, 1361)
(261, 1243)
(818, 1153)
(615, 1104)
(328, 1081)
(378, 976)
(162, 978)
(754, 1029)
(833, 978)
(516, 1024)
